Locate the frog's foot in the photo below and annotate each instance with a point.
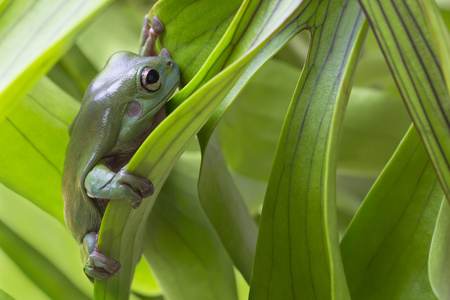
(133, 188)
(102, 183)
(157, 27)
(149, 36)
(100, 266)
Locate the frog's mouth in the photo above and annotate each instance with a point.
(169, 94)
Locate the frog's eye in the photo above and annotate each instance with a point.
(150, 79)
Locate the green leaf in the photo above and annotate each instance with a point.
(439, 262)
(405, 37)
(192, 30)
(34, 143)
(182, 247)
(34, 35)
(297, 253)
(385, 249)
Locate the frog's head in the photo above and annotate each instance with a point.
(137, 87)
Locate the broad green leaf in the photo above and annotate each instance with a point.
(405, 37)
(439, 263)
(34, 35)
(192, 30)
(297, 253)
(41, 247)
(385, 249)
(182, 247)
(34, 141)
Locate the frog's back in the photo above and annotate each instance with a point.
(92, 135)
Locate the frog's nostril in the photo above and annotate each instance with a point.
(169, 63)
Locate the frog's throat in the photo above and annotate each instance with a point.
(162, 100)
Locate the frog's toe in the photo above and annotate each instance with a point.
(142, 185)
(157, 26)
(100, 266)
(147, 190)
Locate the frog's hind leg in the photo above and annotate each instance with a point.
(149, 36)
(98, 265)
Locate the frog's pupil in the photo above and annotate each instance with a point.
(152, 76)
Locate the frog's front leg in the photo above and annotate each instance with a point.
(149, 36)
(102, 183)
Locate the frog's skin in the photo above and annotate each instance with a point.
(120, 108)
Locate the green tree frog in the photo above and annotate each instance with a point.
(120, 108)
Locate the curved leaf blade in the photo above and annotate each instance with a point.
(415, 64)
(33, 36)
(297, 251)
